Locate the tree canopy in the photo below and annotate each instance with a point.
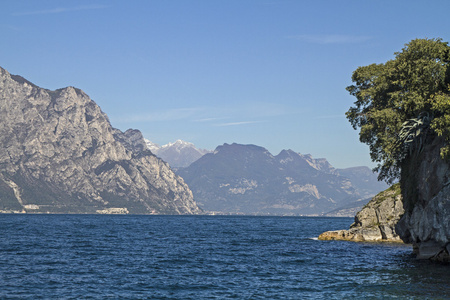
(397, 101)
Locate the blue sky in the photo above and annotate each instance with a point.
(271, 73)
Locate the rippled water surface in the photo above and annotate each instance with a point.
(203, 257)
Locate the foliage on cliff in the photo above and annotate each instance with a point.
(401, 100)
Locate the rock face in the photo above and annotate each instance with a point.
(375, 222)
(59, 153)
(248, 179)
(426, 191)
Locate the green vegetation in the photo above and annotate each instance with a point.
(401, 101)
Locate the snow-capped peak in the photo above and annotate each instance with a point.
(177, 154)
(178, 144)
(152, 146)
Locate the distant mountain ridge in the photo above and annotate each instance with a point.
(178, 154)
(248, 179)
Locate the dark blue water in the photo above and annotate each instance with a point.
(203, 257)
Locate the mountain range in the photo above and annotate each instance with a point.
(248, 179)
(60, 154)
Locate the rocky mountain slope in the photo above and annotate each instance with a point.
(248, 179)
(59, 153)
(179, 154)
(364, 180)
(376, 221)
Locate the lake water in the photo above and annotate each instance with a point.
(203, 257)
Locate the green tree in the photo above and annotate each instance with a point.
(413, 86)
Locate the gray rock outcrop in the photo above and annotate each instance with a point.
(426, 191)
(424, 221)
(376, 221)
(60, 154)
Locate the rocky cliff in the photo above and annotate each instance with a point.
(59, 153)
(426, 191)
(423, 216)
(375, 222)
